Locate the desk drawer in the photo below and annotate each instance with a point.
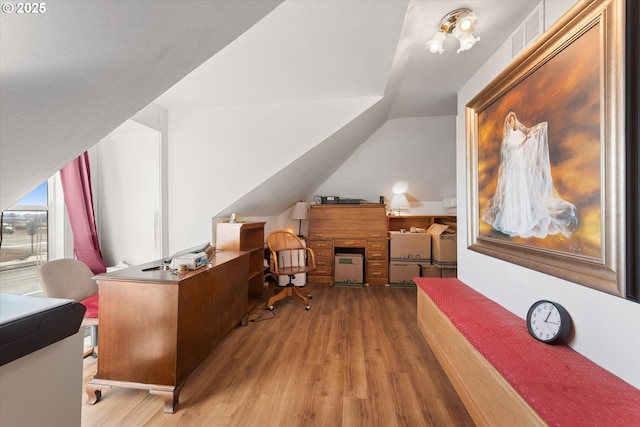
(324, 261)
(377, 277)
(377, 245)
(317, 244)
(377, 255)
(323, 253)
(377, 274)
(349, 243)
(322, 270)
(373, 265)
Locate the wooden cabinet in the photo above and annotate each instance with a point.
(377, 260)
(396, 223)
(157, 327)
(349, 229)
(246, 236)
(323, 250)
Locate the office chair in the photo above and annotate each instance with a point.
(71, 279)
(288, 256)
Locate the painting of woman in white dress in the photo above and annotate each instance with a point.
(526, 203)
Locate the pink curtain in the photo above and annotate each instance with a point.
(76, 185)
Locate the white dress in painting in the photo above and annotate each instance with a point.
(526, 203)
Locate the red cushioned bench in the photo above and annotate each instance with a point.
(505, 377)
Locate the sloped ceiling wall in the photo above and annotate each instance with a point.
(303, 53)
(73, 74)
(88, 66)
(271, 103)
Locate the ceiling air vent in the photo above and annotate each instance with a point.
(529, 31)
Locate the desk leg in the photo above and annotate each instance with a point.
(94, 393)
(171, 399)
(169, 394)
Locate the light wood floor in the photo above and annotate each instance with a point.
(355, 359)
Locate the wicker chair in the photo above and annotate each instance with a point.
(288, 257)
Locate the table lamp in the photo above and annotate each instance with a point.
(399, 203)
(300, 212)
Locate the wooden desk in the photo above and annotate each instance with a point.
(349, 228)
(156, 328)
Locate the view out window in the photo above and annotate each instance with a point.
(25, 231)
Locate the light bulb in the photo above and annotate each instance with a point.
(400, 187)
(466, 22)
(435, 44)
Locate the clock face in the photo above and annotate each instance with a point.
(548, 322)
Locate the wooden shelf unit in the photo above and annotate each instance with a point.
(352, 229)
(249, 237)
(398, 222)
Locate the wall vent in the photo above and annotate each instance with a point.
(532, 27)
(517, 41)
(529, 31)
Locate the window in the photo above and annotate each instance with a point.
(25, 242)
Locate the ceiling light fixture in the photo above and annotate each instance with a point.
(460, 23)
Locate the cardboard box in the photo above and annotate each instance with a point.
(444, 245)
(402, 273)
(430, 270)
(410, 246)
(349, 270)
(452, 225)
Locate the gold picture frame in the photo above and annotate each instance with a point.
(546, 153)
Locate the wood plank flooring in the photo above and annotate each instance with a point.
(355, 359)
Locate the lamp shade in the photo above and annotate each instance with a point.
(300, 211)
(467, 40)
(398, 202)
(435, 44)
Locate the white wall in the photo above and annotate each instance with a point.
(216, 155)
(397, 152)
(605, 326)
(128, 209)
(157, 118)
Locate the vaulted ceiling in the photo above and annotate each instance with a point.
(70, 76)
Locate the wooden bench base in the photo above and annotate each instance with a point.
(507, 378)
(489, 398)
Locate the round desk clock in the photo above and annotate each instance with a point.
(548, 322)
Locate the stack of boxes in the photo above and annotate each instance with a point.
(409, 252)
(422, 254)
(444, 252)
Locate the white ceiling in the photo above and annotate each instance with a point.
(309, 50)
(429, 83)
(304, 50)
(86, 67)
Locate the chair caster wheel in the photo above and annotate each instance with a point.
(308, 308)
(270, 307)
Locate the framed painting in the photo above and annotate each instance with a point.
(546, 153)
(632, 107)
